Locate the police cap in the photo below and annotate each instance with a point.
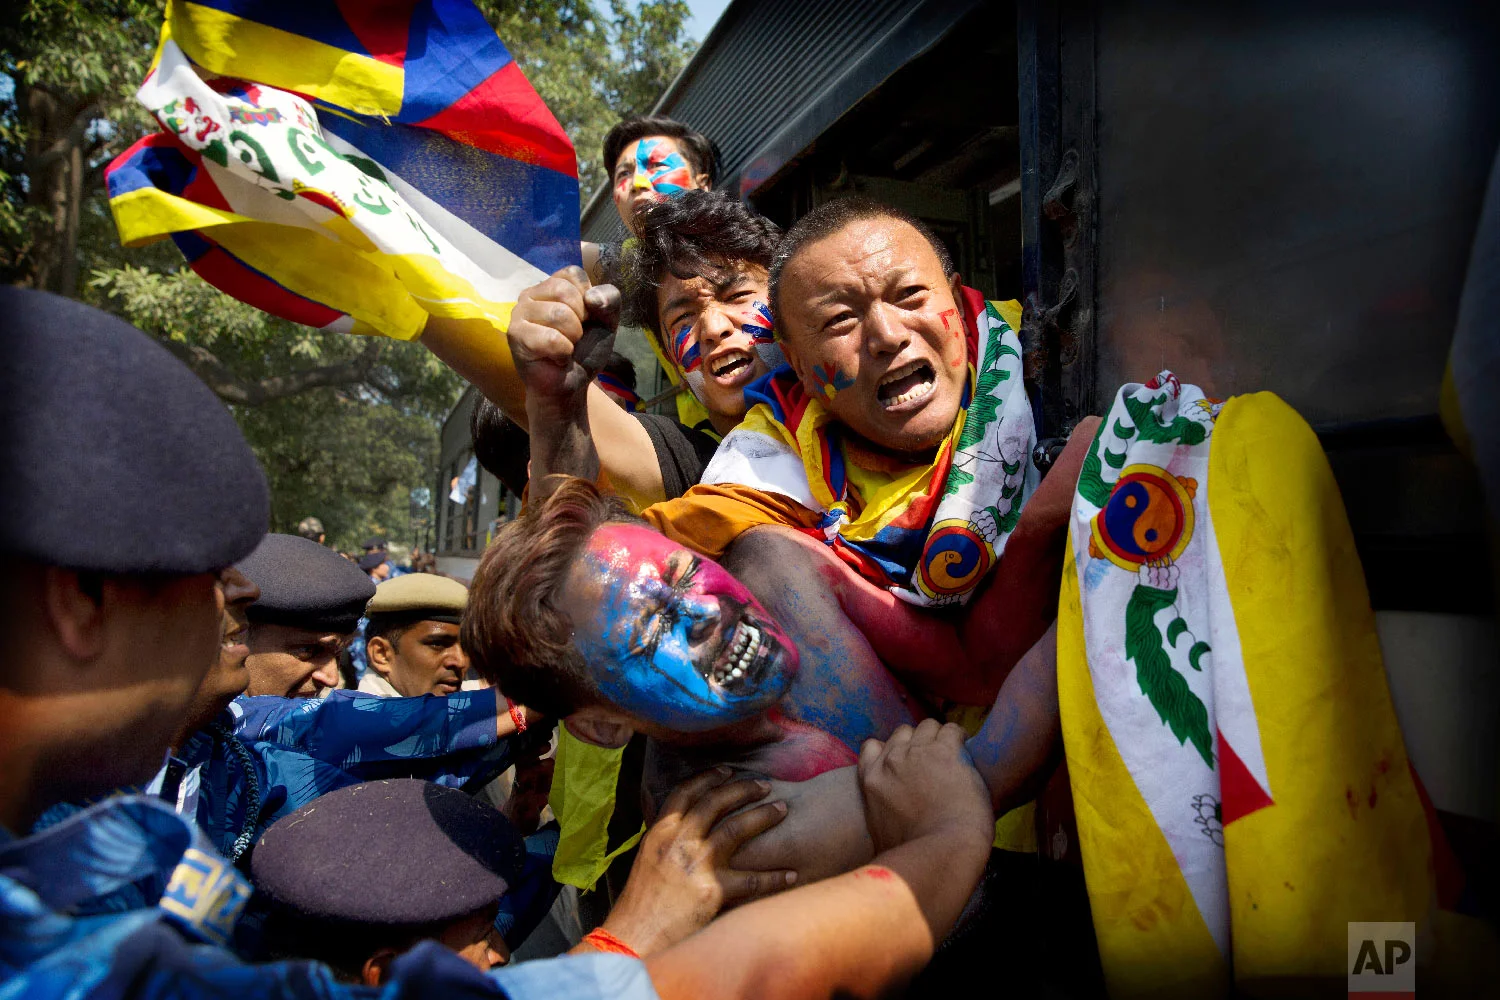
(305, 585)
(396, 852)
(115, 457)
(420, 596)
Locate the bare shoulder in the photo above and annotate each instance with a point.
(772, 545)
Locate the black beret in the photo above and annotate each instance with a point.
(373, 543)
(370, 560)
(397, 852)
(306, 585)
(114, 457)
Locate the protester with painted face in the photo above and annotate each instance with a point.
(649, 159)
(119, 517)
(581, 608)
(700, 275)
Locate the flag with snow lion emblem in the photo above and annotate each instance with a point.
(350, 167)
(1240, 780)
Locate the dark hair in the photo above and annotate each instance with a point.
(832, 217)
(696, 234)
(697, 147)
(501, 445)
(515, 634)
(621, 368)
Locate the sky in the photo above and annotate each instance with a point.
(705, 13)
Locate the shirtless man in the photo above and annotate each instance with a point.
(583, 611)
(865, 661)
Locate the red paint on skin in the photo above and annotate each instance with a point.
(639, 552)
(944, 317)
(876, 872)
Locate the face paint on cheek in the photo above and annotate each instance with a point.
(957, 329)
(685, 350)
(664, 172)
(831, 380)
(650, 644)
(759, 324)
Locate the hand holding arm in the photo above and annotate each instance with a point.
(681, 877)
(863, 933)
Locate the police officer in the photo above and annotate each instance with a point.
(411, 637)
(430, 863)
(127, 493)
(310, 601)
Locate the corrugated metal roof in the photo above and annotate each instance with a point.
(775, 73)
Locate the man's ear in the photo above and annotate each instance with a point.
(956, 286)
(789, 352)
(381, 655)
(75, 609)
(702, 181)
(600, 727)
(377, 967)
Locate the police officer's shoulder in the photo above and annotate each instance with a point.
(116, 457)
(306, 585)
(435, 597)
(396, 852)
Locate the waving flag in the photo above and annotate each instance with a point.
(350, 166)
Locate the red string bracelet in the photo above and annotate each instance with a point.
(517, 716)
(605, 941)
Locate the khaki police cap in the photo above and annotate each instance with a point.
(417, 592)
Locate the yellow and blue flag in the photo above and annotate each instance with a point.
(350, 166)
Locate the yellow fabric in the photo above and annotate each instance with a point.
(237, 46)
(1152, 940)
(1451, 411)
(146, 215)
(707, 519)
(583, 800)
(1345, 838)
(1010, 311)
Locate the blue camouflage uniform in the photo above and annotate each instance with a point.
(265, 757)
(63, 933)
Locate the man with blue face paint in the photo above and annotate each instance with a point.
(582, 610)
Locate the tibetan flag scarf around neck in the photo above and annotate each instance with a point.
(1241, 783)
(929, 532)
(350, 169)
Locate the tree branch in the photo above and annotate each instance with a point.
(233, 389)
(67, 141)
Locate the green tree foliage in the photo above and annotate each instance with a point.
(344, 426)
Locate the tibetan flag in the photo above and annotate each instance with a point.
(1240, 779)
(350, 166)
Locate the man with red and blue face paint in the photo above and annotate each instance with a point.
(649, 159)
(699, 284)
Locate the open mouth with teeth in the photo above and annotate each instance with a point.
(731, 365)
(743, 658)
(905, 385)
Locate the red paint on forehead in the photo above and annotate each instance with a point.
(635, 548)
